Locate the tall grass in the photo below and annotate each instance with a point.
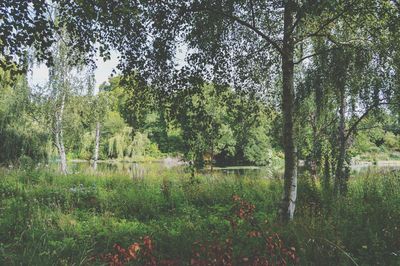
(47, 219)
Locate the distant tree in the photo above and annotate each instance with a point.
(100, 107)
(21, 132)
(61, 88)
(205, 122)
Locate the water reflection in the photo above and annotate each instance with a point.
(139, 170)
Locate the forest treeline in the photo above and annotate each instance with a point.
(212, 124)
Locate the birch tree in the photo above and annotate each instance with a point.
(60, 88)
(100, 105)
(65, 81)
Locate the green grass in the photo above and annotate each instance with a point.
(379, 155)
(47, 219)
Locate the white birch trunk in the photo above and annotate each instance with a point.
(96, 146)
(290, 175)
(59, 136)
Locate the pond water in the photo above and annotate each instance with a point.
(163, 168)
(175, 167)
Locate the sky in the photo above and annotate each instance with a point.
(39, 74)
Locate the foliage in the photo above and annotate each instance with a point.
(257, 149)
(20, 132)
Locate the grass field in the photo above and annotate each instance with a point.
(48, 219)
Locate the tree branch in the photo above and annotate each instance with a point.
(272, 42)
(351, 130)
(252, 13)
(315, 54)
(368, 128)
(253, 53)
(297, 21)
(325, 24)
(236, 19)
(335, 42)
(346, 42)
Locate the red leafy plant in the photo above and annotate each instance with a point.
(141, 252)
(272, 251)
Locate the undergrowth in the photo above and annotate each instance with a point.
(81, 219)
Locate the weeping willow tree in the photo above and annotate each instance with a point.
(343, 89)
(123, 145)
(118, 145)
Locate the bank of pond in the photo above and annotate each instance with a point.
(170, 218)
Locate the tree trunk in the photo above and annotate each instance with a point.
(96, 146)
(342, 167)
(212, 154)
(315, 151)
(327, 174)
(290, 175)
(59, 136)
(316, 160)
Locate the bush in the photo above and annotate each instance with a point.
(392, 141)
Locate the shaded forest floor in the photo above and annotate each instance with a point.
(47, 219)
